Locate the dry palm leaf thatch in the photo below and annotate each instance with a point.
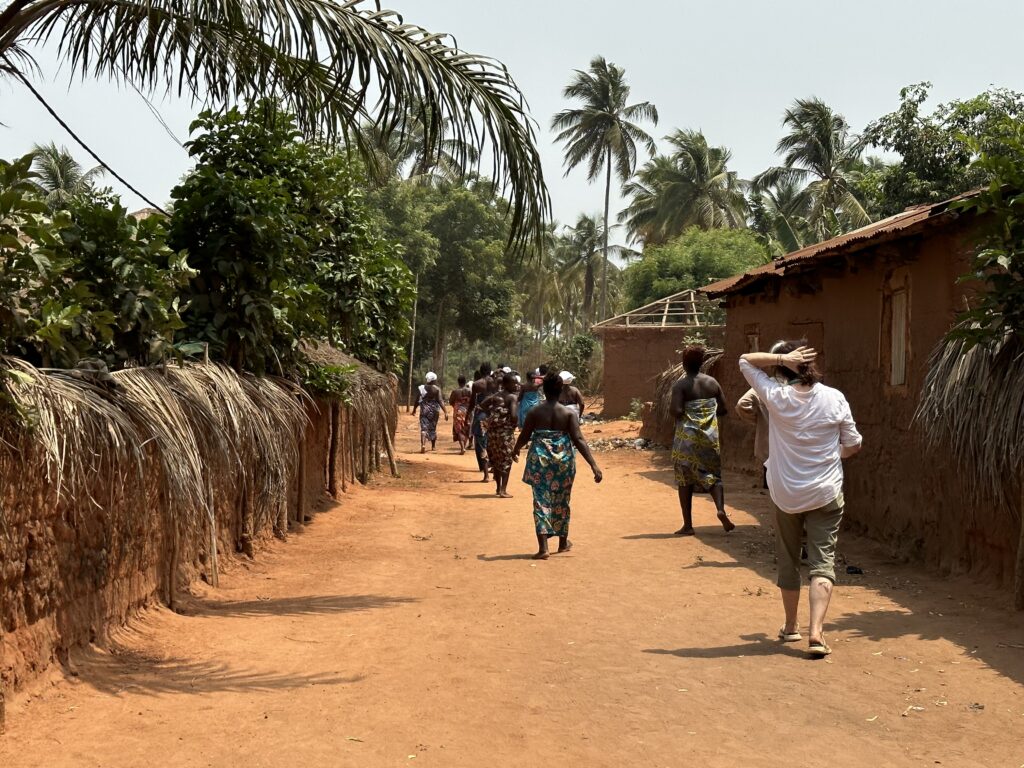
(972, 404)
(371, 393)
(184, 437)
(662, 411)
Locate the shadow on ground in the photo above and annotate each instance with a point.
(123, 671)
(295, 606)
(755, 645)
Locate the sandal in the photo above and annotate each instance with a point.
(818, 649)
(789, 637)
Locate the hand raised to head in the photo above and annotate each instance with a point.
(799, 356)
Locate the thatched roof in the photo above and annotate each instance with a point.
(372, 393)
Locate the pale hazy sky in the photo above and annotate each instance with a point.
(728, 68)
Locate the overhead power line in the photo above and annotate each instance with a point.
(81, 143)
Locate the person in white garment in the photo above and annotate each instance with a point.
(810, 431)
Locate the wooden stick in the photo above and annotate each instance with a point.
(390, 446)
(332, 451)
(300, 514)
(214, 568)
(342, 445)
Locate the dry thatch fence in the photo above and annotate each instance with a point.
(122, 487)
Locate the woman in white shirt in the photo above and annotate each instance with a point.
(810, 431)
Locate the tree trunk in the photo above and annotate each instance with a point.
(588, 290)
(604, 271)
(412, 342)
(439, 335)
(300, 514)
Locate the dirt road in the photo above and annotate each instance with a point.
(409, 627)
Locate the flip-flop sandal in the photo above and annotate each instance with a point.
(789, 637)
(819, 649)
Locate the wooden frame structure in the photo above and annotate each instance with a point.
(680, 310)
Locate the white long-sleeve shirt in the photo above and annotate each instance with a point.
(805, 433)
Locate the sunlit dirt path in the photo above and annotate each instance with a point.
(407, 627)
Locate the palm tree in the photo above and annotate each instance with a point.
(600, 133)
(59, 176)
(334, 64)
(778, 216)
(818, 151)
(690, 187)
(582, 253)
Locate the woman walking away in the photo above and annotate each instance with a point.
(430, 406)
(810, 431)
(500, 424)
(571, 397)
(697, 402)
(553, 432)
(529, 393)
(459, 401)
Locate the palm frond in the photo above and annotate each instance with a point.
(332, 63)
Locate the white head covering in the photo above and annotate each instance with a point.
(566, 377)
(506, 369)
(431, 377)
(519, 379)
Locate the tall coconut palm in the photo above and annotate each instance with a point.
(778, 215)
(59, 176)
(818, 151)
(583, 250)
(601, 133)
(692, 186)
(334, 64)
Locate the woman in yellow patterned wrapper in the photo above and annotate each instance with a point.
(697, 402)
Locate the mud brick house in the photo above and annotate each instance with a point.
(875, 302)
(640, 345)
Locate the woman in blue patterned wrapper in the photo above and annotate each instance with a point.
(697, 403)
(430, 406)
(553, 432)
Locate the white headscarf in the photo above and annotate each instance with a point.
(566, 377)
(431, 377)
(506, 369)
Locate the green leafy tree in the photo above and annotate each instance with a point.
(936, 151)
(818, 152)
(602, 133)
(690, 261)
(329, 63)
(691, 186)
(60, 177)
(778, 216)
(283, 247)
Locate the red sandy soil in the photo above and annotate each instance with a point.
(408, 627)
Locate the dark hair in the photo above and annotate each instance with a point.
(693, 358)
(807, 373)
(485, 369)
(543, 370)
(552, 386)
(508, 381)
(462, 380)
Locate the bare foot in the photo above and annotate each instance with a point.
(685, 531)
(726, 522)
(423, 449)
(541, 556)
(565, 547)
(505, 495)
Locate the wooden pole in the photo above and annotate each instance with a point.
(342, 447)
(300, 514)
(352, 441)
(1018, 585)
(332, 450)
(212, 510)
(412, 342)
(389, 445)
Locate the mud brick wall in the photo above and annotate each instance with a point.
(69, 573)
(635, 357)
(896, 491)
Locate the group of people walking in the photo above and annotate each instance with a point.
(545, 408)
(804, 432)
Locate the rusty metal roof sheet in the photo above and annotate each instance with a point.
(901, 225)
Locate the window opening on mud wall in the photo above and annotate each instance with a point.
(753, 334)
(898, 337)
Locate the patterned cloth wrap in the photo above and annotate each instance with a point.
(460, 422)
(528, 401)
(501, 438)
(551, 469)
(695, 448)
(430, 410)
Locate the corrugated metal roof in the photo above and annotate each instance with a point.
(901, 225)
